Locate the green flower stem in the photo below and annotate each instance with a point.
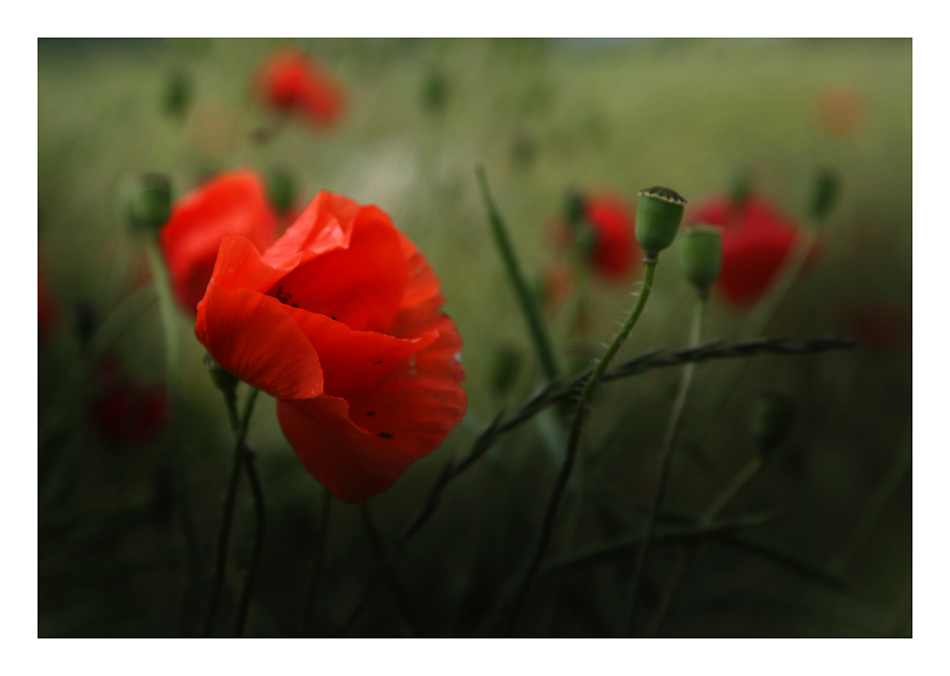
(316, 567)
(539, 336)
(758, 320)
(742, 479)
(573, 443)
(260, 517)
(666, 455)
(175, 456)
(224, 534)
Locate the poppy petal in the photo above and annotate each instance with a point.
(326, 224)
(252, 337)
(351, 462)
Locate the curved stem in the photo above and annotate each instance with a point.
(574, 441)
(666, 455)
(259, 522)
(319, 555)
(175, 456)
(224, 533)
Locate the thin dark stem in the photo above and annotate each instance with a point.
(175, 457)
(259, 528)
(666, 455)
(539, 335)
(224, 533)
(547, 526)
(316, 567)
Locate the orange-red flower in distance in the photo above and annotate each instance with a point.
(339, 321)
(126, 414)
(839, 111)
(605, 234)
(756, 239)
(232, 204)
(291, 81)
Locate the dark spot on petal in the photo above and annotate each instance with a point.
(370, 413)
(385, 435)
(378, 361)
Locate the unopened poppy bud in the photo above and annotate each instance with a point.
(741, 186)
(659, 212)
(176, 95)
(700, 252)
(772, 421)
(506, 364)
(150, 202)
(224, 381)
(575, 206)
(281, 189)
(824, 193)
(434, 91)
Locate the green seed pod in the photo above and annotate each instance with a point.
(176, 95)
(281, 189)
(824, 193)
(700, 252)
(150, 202)
(659, 212)
(224, 381)
(772, 420)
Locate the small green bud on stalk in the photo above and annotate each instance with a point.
(281, 189)
(659, 212)
(224, 381)
(824, 193)
(575, 206)
(150, 202)
(741, 186)
(177, 95)
(772, 421)
(700, 252)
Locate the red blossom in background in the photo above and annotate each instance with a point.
(611, 254)
(126, 414)
(290, 81)
(339, 321)
(839, 110)
(231, 204)
(756, 239)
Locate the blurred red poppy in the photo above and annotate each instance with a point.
(231, 204)
(291, 81)
(339, 321)
(606, 235)
(756, 239)
(126, 414)
(47, 310)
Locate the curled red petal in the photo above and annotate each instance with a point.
(254, 338)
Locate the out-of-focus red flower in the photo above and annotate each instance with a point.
(124, 413)
(47, 310)
(339, 321)
(839, 111)
(881, 326)
(610, 225)
(291, 81)
(756, 239)
(232, 204)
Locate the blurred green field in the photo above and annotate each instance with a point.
(542, 116)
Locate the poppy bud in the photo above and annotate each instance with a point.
(150, 202)
(575, 206)
(700, 252)
(176, 95)
(223, 380)
(772, 421)
(824, 193)
(434, 91)
(659, 212)
(281, 188)
(741, 186)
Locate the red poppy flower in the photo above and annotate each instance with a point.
(126, 414)
(292, 82)
(339, 322)
(232, 204)
(611, 251)
(755, 242)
